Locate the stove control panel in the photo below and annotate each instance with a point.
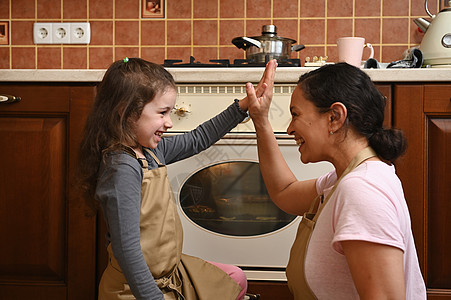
(198, 103)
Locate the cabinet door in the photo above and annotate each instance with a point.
(46, 251)
(83, 242)
(424, 114)
(81, 239)
(437, 110)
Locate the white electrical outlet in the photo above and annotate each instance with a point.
(80, 33)
(42, 33)
(61, 33)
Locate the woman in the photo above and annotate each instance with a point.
(355, 239)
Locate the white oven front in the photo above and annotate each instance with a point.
(226, 213)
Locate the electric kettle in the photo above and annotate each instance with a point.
(436, 43)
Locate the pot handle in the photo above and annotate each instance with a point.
(297, 47)
(245, 42)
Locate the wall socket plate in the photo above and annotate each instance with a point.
(80, 33)
(42, 33)
(62, 33)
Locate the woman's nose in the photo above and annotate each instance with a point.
(289, 130)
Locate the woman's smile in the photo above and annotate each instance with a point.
(299, 141)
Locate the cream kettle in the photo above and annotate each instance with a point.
(436, 43)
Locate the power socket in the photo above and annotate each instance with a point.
(62, 33)
(42, 33)
(80, 33)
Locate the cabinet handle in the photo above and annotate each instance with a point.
(9, 99)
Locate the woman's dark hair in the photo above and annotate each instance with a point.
(127, 86)
(364, 103)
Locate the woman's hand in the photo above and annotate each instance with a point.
(264, 87)
(261, 96)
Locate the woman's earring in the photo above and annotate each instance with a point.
(331, 132)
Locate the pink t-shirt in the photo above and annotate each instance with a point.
(368, 205)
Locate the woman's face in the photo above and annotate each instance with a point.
(155, 119)
(309, 128)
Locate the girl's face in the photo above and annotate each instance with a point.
(309, 128)
(155, 119)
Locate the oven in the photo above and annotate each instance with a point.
(226, 213)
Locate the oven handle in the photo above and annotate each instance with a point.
(252, 135)
(251, 138)
(245, 138)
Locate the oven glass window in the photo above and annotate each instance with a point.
(231, 198)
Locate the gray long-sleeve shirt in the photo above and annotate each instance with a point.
(119, 193)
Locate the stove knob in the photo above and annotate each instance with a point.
(182, 110)
(446, 40)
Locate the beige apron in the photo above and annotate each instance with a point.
(178, 276)
(295, 270)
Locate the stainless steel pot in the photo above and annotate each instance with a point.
(261, 49)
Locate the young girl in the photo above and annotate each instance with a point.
(122, 164)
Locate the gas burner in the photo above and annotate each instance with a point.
(214, 63)
(294, 62)
(225, 63)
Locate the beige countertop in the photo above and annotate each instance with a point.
(225, 75)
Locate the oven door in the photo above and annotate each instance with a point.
(226, 213)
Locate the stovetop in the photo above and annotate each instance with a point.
(225, 63)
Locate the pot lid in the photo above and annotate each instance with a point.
(269, 33)
(269, 30)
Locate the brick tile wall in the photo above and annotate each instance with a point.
(204, 29)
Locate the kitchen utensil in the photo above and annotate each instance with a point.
(350, 50)
(436, 43)
(261, 49)
(412, 59)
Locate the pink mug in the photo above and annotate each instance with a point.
(350, 50)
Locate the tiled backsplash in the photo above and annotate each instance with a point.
(204, 29)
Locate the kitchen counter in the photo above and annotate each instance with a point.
(225, 75)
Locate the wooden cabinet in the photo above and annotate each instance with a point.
(51, 249)
(48, 244)
(423, 112)
(387, 91)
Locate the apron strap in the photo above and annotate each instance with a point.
(315, 203)
(154, 157)
(171, 282)
(142, 161)
(363, 155)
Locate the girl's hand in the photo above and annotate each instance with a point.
(259, 98)
(264, 86)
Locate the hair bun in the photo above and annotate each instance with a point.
(389, 144)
